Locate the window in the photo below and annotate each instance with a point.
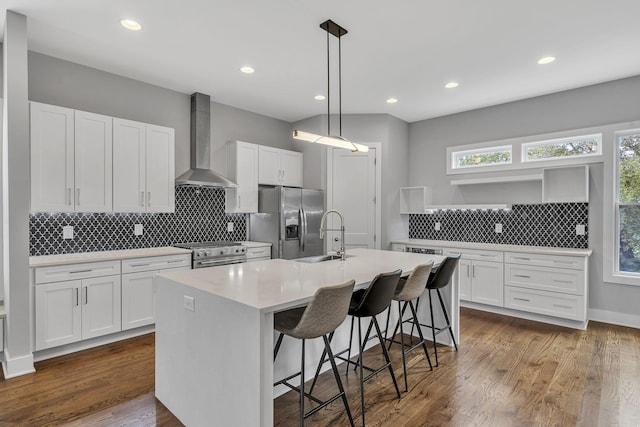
(482, 157)
(579, 146)
(627, 203)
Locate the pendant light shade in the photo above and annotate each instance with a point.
(333, 140)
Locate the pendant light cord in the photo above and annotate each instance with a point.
(328, 89)
(340, 81)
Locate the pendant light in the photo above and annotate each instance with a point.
(333, 140)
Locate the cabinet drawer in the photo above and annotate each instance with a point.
(548, 303)
(546, 278)
(87, 270)
(260, 252)
(155, 263)
(475, 254)
(560, 261)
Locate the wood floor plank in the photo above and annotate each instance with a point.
(508, 372)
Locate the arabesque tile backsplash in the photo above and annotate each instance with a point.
(547, 224)
(199, 216)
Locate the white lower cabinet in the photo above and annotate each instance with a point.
(480, 276)
(76, 309)
(137, 286)
(258, 253)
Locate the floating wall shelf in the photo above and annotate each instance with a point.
(497, 179)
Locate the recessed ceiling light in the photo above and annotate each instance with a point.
(451, 85)
(546, 60)
(391, 101)
(247, 70)
(319, 97)
(130, 24)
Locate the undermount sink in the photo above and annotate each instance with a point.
(319, 258)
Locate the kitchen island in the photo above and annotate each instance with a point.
(214, 330)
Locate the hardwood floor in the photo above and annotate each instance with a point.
(508, 372)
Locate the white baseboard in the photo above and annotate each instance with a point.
(16, 366)
(91, 343)
(621, 319)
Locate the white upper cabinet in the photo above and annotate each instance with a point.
(160, 169)
(242, 168)
(93, 162)
(143, 161)
(52, 159)
(128, 163)
(279, 167)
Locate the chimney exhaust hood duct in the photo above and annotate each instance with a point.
(200, 173)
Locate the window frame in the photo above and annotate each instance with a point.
(525, 146)
(456, 155)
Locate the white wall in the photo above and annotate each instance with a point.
(607, 103)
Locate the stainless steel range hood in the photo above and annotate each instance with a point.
(201, 173)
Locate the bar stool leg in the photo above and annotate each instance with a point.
(334, 368)
(446, 318)
(433, 329)
(416, 323)
(346, 369)
(320, 364)
(278, 343)
(404, 362)
(302, 387)
(361, 362)
(386, 357)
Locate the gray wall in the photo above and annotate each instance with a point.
(58, 82)
(607, 103)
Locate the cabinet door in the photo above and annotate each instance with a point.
(269, 172)
(488, 283)
(101, 313)
(52, 158)
(242, 166)
(58, 314)
(291, 166)
(137, 299)
(93, 162)
(160, 169)
(128, 162)
(464, 279)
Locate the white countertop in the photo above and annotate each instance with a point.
(497, 247)
(270, 285)
(49, 260)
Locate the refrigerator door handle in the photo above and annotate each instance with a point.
(303, 225)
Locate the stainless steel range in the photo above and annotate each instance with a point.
(210, 254)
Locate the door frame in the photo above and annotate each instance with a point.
(378, 169)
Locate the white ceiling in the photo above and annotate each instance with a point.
(404, 49)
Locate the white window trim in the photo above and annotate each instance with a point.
(517, 149)
(610, 234)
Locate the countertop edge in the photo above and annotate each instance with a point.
(497, 247)
(83, 257)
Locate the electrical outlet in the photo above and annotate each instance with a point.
(230, 227)
(67, 232)
(437, 226)
(189, 303)
(580, 230)
(138, 229)
(498, 228)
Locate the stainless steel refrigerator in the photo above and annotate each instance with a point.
(289, 219)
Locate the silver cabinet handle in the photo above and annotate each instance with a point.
(139, 265)
(563, 306)
(522, 299)
(521, 275)
(562, 281)
(171, 261)
(524, 259)
(562, 262)
(77, 197)
(141, 198)
(148, 198)
(80, 271)
(68, 198)
(77, 299)
(85, 290)
(473, 271)
(467, 270)
(239, 201)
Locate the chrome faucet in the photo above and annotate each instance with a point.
(341, 252)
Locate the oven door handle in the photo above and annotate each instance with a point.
(214, 263)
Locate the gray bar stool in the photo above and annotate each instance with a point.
(368, 302)
(326, 311)
(437, 281)
(408, 290)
